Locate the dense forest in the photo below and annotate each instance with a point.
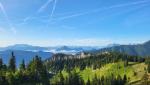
(38, 72)
(94, 61)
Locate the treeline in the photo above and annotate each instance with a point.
(35, 73)
(94, 61)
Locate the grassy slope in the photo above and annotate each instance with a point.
(115, 68)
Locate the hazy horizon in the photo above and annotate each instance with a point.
(59, 45)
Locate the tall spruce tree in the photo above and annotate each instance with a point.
(39, 71)
(1, 63)
(125, 79)
(22, 65)
(12, 63)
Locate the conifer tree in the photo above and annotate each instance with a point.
(22, 65)
(38, 71)
(1, 63)
(102, 80)
(88, 82)
(125, 79)
(95, 80)
(12, 63)
(61, 79)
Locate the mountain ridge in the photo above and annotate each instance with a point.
(137, 49)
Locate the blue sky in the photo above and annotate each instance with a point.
(74, 22)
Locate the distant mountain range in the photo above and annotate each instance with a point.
(27, 52)
(138, 49)
(55, 49)
(23, 47)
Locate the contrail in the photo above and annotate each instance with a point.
(44, 6)
(101, 9)
(4, 12)
(12, 28)
(121, 12)
(54, 7)
(40, 10)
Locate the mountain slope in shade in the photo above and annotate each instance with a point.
(20, 55)
(139, 49)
